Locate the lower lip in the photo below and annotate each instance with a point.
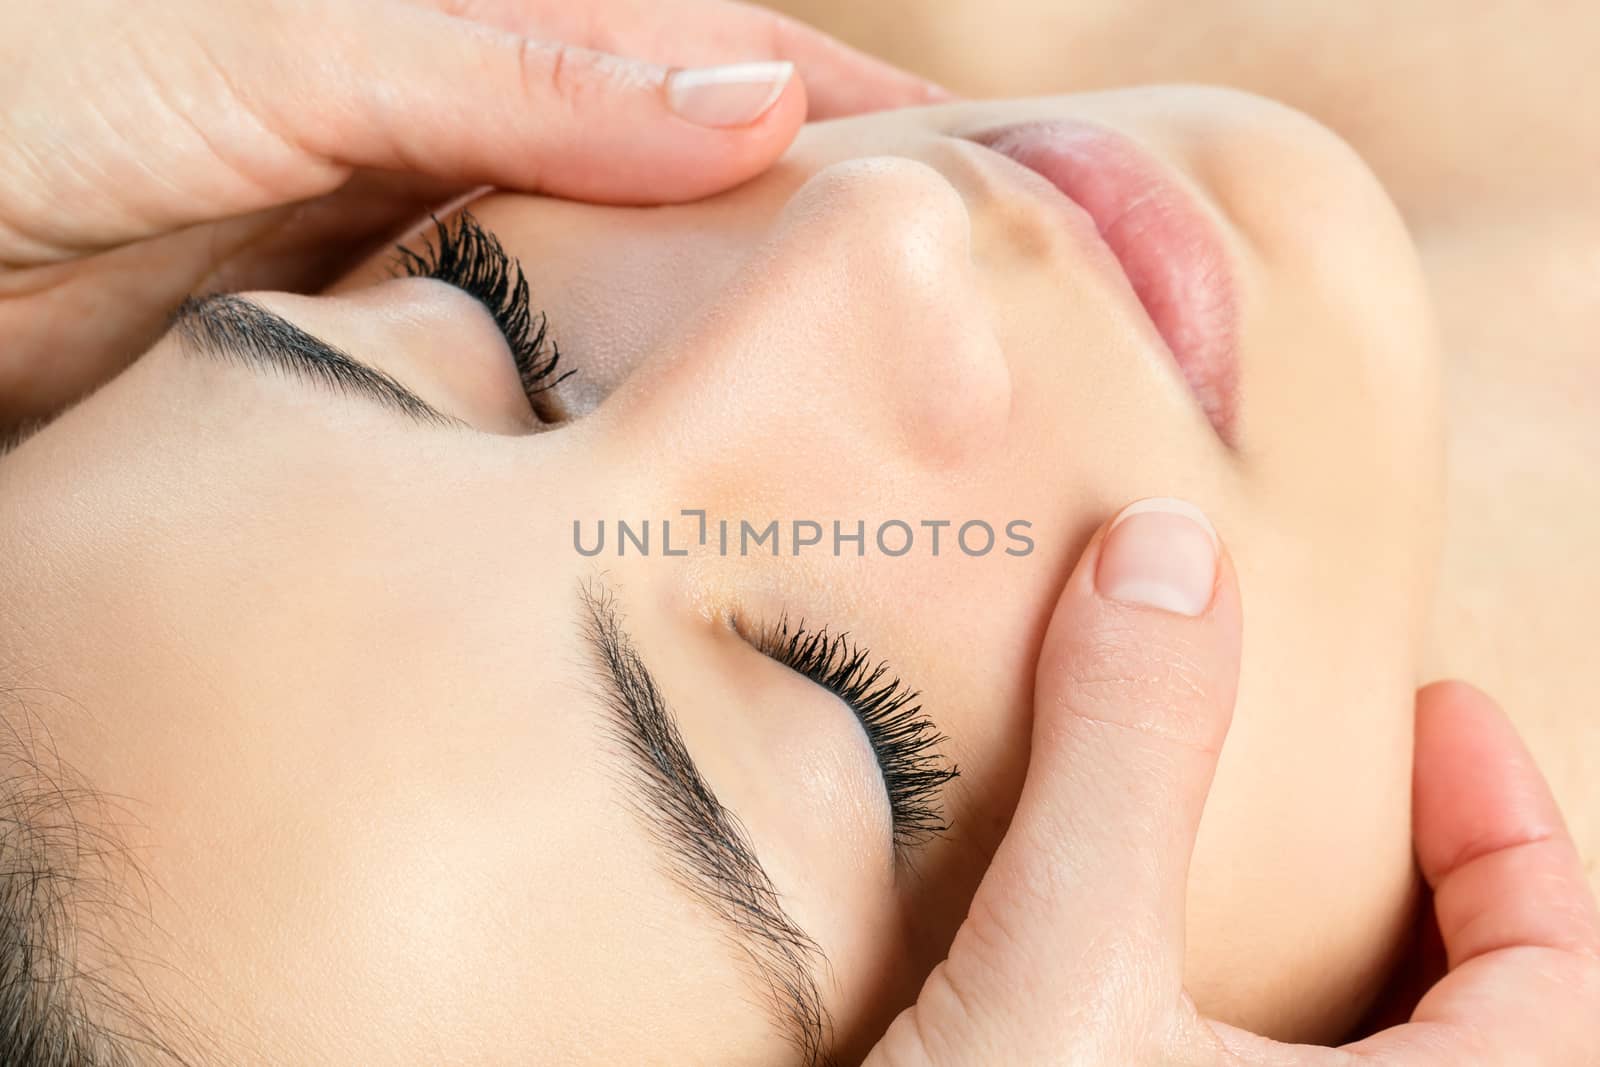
(1167, 246)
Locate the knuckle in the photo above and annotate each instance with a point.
(542, 70)
(554, 74)
(573, 79)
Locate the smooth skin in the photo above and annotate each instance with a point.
(1073, 951)
(448, 176)
(843, 350)
(1483, 124)
(420, 584)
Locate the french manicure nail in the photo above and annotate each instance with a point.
(733, 95)
(1159, 553)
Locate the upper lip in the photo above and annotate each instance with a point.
(1168, 247)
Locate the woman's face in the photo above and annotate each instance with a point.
(409, 774)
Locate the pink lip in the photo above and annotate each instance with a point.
(1167, 246)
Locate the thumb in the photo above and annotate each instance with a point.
(199, 112)
(420, 90)
(1073, 948)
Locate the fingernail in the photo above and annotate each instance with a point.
(733, 95)
(1159, 553)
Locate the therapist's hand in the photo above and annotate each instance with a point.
(175, 133)
(1073, 950)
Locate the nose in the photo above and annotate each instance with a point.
(855, 328)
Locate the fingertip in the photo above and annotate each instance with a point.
(1150, 620)
(1457, 727)
(776, 129)
(1452, 696)
(1161, 553)
(1490, 837)
(721, 141)
(729, 96)
(1475, 788)
(845, 80)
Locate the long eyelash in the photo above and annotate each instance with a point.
(472, 259)
(905, 740)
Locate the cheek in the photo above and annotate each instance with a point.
(1302, 877)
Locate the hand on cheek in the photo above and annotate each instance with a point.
(1072, 951)
(1073, 948)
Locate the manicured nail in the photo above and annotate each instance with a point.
(734, 95)
(1159, 553)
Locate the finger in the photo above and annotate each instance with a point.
(1490, 839)
(1133, 697)
(839, 80)
(466, 102)
(1080, 916)
(1513, 908)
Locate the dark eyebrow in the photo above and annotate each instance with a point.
(230, 328)
(708, 848)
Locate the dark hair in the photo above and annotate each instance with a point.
(61, 864)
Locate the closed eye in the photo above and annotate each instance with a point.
(469, 257)
(905, 741)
